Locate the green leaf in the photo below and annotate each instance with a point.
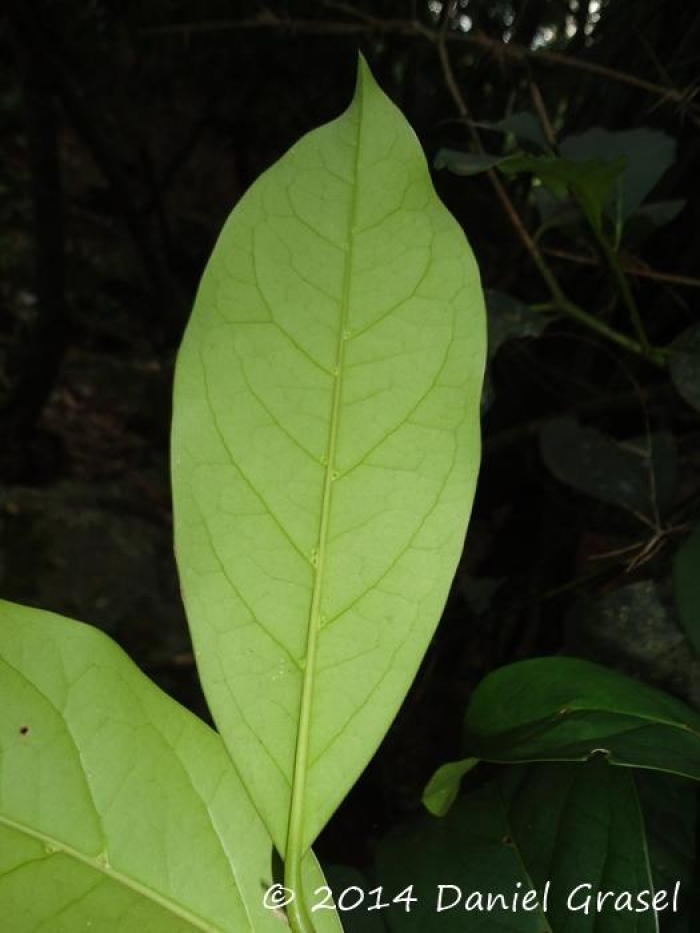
(639, 475)
(563, 709)
(507, 319)
(119, 809)
(325, 452)
(670, 808)
(648, 218)
(442, 788)
(590, 182)
(564, 824)
(466, 163)
(686, 586)
(523, 125)
(634, 628)
(646, 155)
(685, 366)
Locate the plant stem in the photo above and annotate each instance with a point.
(559, 300)
(625, 290)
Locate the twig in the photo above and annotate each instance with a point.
(542, 114)
(413, 27)
(638, 271)
(560, 301)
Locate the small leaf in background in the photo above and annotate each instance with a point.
(523, 125)
(507, 319)
(442, 788)
(566, 824)
(510, 319)
(120, 810)
(646, 155)
(670, 808)
(616, 473)
(685, 366)
(466, 163)
(325, 454)
(590, 182)
(686, 585)
(648, 218)
(564, 709)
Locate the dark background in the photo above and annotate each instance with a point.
(131, 129)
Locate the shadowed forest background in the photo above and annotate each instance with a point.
(565, 137)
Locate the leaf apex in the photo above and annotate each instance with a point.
(365, 78)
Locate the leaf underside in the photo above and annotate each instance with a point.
(325, 452)
(119, 810)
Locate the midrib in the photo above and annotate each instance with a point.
(295, 844)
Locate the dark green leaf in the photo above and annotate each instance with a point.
(620, 474)
(564, 824)
(523, 125)
(635, 629)
(564, 709)
(510, 319)
(649, 217)
(646, 154)
(685, 366)
(590, 182)
(670, 808)
(686, 585)
(466, 163)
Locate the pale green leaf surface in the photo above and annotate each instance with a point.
(325, 451)
(442, 788)
(120, 811)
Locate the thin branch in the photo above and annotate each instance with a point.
(413, 27)
(638, 271)
(559, 300)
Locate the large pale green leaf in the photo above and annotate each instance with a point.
(564, 824)
(566, 709)
(325, 451)
(119, 810)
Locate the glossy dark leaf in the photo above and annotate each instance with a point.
(618, 473)
(564, 824)
(685, 366)
(686, 585)
(564, 709)
(646, 154)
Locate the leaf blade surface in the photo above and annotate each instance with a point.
(325, 450)
(119, 809)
